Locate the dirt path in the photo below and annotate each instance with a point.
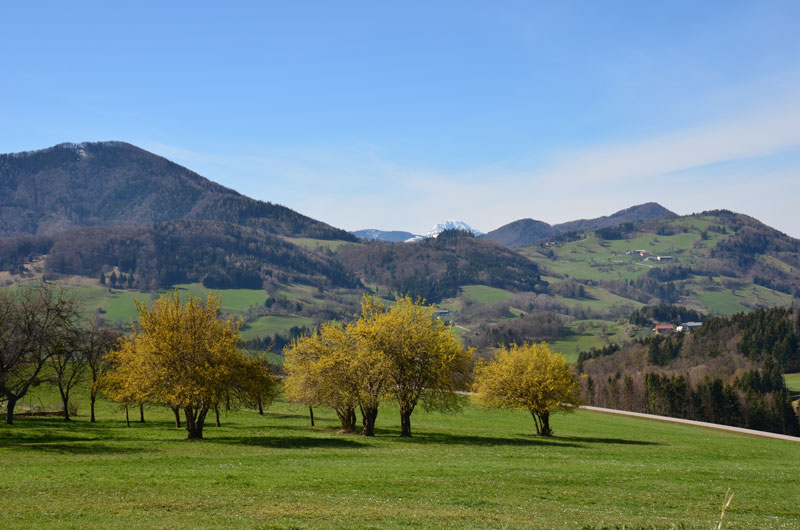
(728, 428)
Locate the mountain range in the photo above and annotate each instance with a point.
(397, 236)
(93, 209)
(526, 232)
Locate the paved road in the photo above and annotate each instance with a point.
(728, 428)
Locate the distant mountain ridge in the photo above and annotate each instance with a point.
(117, 184)
(526, 232)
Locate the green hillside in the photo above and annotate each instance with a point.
(714, 282)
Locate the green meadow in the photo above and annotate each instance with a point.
(484, 294)
(475, 469)
(116, 305)
(271, 324)
(793, 381)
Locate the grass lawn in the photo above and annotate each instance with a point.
(477, 469)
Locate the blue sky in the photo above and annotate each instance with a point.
(396, 115)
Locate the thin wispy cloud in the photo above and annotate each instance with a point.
(356, 187)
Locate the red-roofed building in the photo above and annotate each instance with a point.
(664, 329)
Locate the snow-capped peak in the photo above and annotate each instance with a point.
(450, 224)
(447, 224)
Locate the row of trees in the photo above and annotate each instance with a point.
(746, 402)
(183, 355)
(43, 339)
(403, 354)
(400, 353)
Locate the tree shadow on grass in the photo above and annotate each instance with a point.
(285, 416)
(83, 447)
(63, 443)
(488, 441)
(291, 442)
(600, 440)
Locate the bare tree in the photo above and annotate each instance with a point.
(96, 343)
(35, 324)
(68, 366)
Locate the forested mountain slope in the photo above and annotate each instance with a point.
(118, 184)
(728, 371)
(435, 268)
(219, 255)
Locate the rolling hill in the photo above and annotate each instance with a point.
(526, 232)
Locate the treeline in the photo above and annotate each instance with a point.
(615, 232)
(436, 268)
(728, 371)
(651, 314)
(763, 334)
(532, 327)
(658, 283)
(757, 399)
(219, 255)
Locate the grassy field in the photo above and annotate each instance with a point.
(269, 325)
(598, 299)
(484, 294)
(793, 382)
(116, 306)
(595, 259)
(477, 469)
(585, 334)
(318, 244)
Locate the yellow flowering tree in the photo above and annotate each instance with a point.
(422, 358)
(528, 377)
(319, 372)
(401, 353)
(182, 354)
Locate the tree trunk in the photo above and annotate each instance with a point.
(405, 422)
(311, 414)
(216, 413)
(177, 412)
(127, 417)
(260, 406)
(195, 420)
(65, 402)
(546, 431)
(368, 416)
(10, 404)
(347, 417)
(92, 399)
(542, 421)
(141, 413)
